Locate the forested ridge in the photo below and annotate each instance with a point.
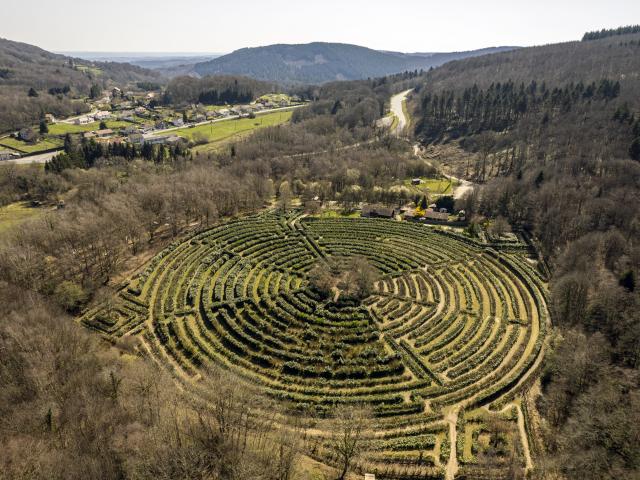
(319, 62)
(551, 134)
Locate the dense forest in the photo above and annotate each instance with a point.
(611, 32)
(34, 82)
(552, 134)
(215, 90)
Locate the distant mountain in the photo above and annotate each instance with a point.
(151, 60)
(324, 62)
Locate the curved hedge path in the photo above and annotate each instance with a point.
(452, 324)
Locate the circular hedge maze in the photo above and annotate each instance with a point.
(453, 324)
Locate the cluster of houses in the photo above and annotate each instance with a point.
(431, 214)
(96, 117)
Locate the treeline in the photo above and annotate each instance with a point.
(611, 32)
(85, 153)
(501, 105)
(215, 90)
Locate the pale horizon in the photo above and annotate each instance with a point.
(194, 27)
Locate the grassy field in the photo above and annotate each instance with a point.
(433, 186)
(215, 132)
(275, 97)
(64, 128)
(16, 213)
(88, 69)
(23, 147)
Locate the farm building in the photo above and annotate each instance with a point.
(434, 215)
(49, 118)
(378, 211)
(82, 120)
(26, 134)
(416, 181)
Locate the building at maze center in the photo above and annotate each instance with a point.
(453, 325)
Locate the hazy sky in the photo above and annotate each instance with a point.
(223, 26)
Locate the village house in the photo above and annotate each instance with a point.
(177, 122)
(136, 138)
(82, 120)
(380, 211)
(49, 118)
(435, 215)
(26, 135)
(126, 115)
(104, 132)
(102, 115)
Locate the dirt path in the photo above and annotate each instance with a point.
(464, 186)
(523, 434)
(452, 465)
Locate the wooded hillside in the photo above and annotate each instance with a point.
(552, 133)
(34, 81)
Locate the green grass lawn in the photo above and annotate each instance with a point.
(46, 143)
(275, 97)
(433, 186)
(64, 128)
(215, 132)
(16, 213)
(88, 69)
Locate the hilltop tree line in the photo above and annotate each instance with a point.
(85, 153)
(218, 90)
(501, 105)
(611, 32)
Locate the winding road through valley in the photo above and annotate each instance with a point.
(396, 108)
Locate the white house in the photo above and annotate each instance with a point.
(102, 115)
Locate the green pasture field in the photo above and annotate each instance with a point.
(217, 131)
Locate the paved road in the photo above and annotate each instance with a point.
(396, 109)
(41, 158)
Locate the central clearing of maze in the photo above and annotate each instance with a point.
(452, 322)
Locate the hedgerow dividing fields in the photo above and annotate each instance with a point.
(454, 327)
